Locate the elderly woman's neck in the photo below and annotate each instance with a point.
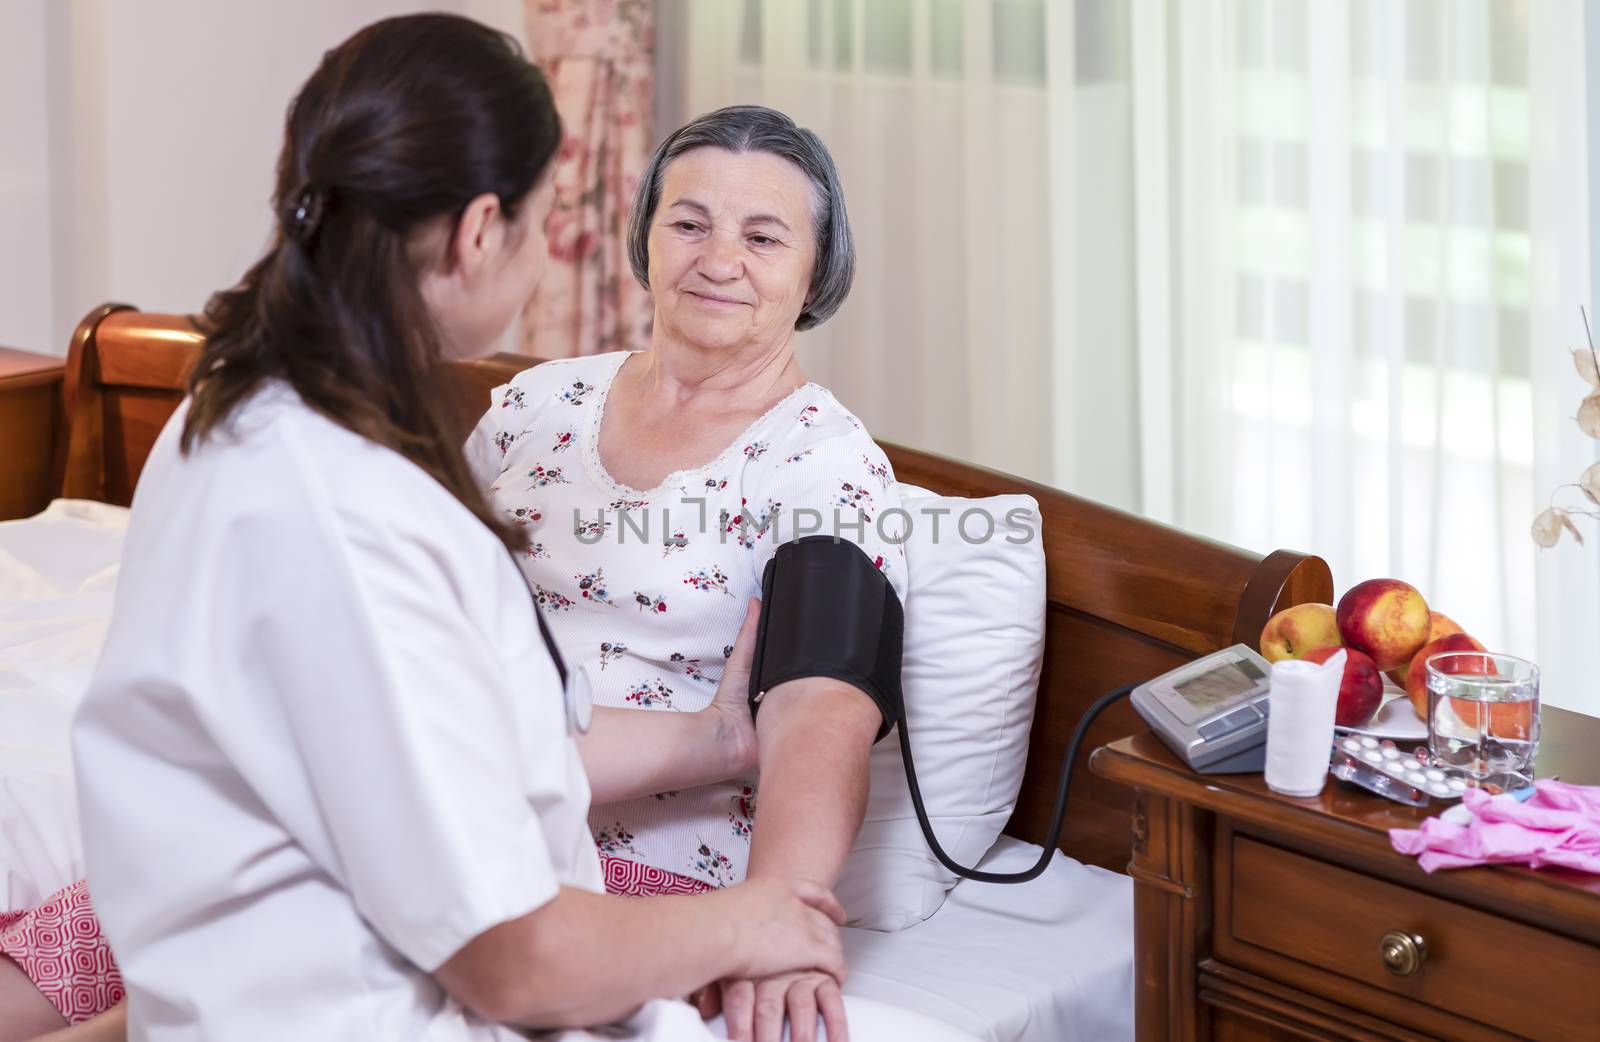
(748, 375)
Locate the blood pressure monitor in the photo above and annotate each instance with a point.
(1213, 711)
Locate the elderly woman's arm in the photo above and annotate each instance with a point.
(814, 737)
(627, 753)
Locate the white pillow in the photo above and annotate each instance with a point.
(974, 644)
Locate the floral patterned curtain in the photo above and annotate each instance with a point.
(597, 54)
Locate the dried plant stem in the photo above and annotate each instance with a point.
(1558, 488)
(1589, 337)
(1566, 510)
(1548, 526)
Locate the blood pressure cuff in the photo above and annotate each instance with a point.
(827, 611)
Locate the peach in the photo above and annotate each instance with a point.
(1510, 719)
(1439, 625)
(1294, 631)
(1506, 719)
(1385, 618)
(1360, 690)
(1417, 673)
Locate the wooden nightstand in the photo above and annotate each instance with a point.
(1259, 916)
(30, 422)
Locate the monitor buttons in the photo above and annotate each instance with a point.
(1234, 721)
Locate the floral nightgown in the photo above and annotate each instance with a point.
(647, 588)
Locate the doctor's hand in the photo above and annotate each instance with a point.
(754, 1011)
(778, 927)
(730, 708)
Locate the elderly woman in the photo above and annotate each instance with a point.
(657, 484)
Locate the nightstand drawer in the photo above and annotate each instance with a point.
(1322, 928)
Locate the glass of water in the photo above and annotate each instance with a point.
(1483, 717)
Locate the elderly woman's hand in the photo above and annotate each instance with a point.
(736, 730)
(755, 1011)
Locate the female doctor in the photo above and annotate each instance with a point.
(327, 773)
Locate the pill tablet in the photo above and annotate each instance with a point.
(1351, 744)
(1417, 778)
(1371, 756)
(1369, 742)
(1435, 774)
(1439, 790)
(1458, 785)
(1391, 753)
(1411, 764)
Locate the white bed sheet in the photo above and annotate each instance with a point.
(669, 1021)
(1050, 960)
(57, 576)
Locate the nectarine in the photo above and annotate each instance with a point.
(1417, 674)
(1439, 625)
(1385, 618)
(1360, 689)
(1294, 631)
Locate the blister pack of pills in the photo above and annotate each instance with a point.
(1393, 773)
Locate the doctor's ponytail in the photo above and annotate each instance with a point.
(407, 121)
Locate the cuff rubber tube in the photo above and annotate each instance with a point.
(827, 611)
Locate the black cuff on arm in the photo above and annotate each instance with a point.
(827, 611)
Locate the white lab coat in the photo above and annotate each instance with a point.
(324, 746)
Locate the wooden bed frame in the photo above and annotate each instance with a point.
(1128, 598)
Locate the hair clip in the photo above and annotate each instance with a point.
(306, 215)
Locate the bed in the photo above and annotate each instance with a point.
(1127, 598)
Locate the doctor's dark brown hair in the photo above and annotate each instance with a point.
(408, 120)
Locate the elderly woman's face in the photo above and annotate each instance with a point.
(731, 247)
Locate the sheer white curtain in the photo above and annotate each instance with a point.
(947, 130)
(1287, 273)
(1376, 236)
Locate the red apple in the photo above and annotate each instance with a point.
(1360, 690)
(1417, 674)
(1294, 631)
(1385, 618)
(1439, 625)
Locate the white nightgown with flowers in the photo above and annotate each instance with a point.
(647, 588)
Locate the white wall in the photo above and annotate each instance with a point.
(140, 144)
(25, 242)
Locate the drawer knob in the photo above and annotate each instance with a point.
(1403, 953)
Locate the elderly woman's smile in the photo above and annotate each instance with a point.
(732, 249)
(713, 300)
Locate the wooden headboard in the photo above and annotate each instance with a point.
(1128, 598)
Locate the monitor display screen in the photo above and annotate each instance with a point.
(1208, 692)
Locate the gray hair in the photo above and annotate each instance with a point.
(755, 128)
